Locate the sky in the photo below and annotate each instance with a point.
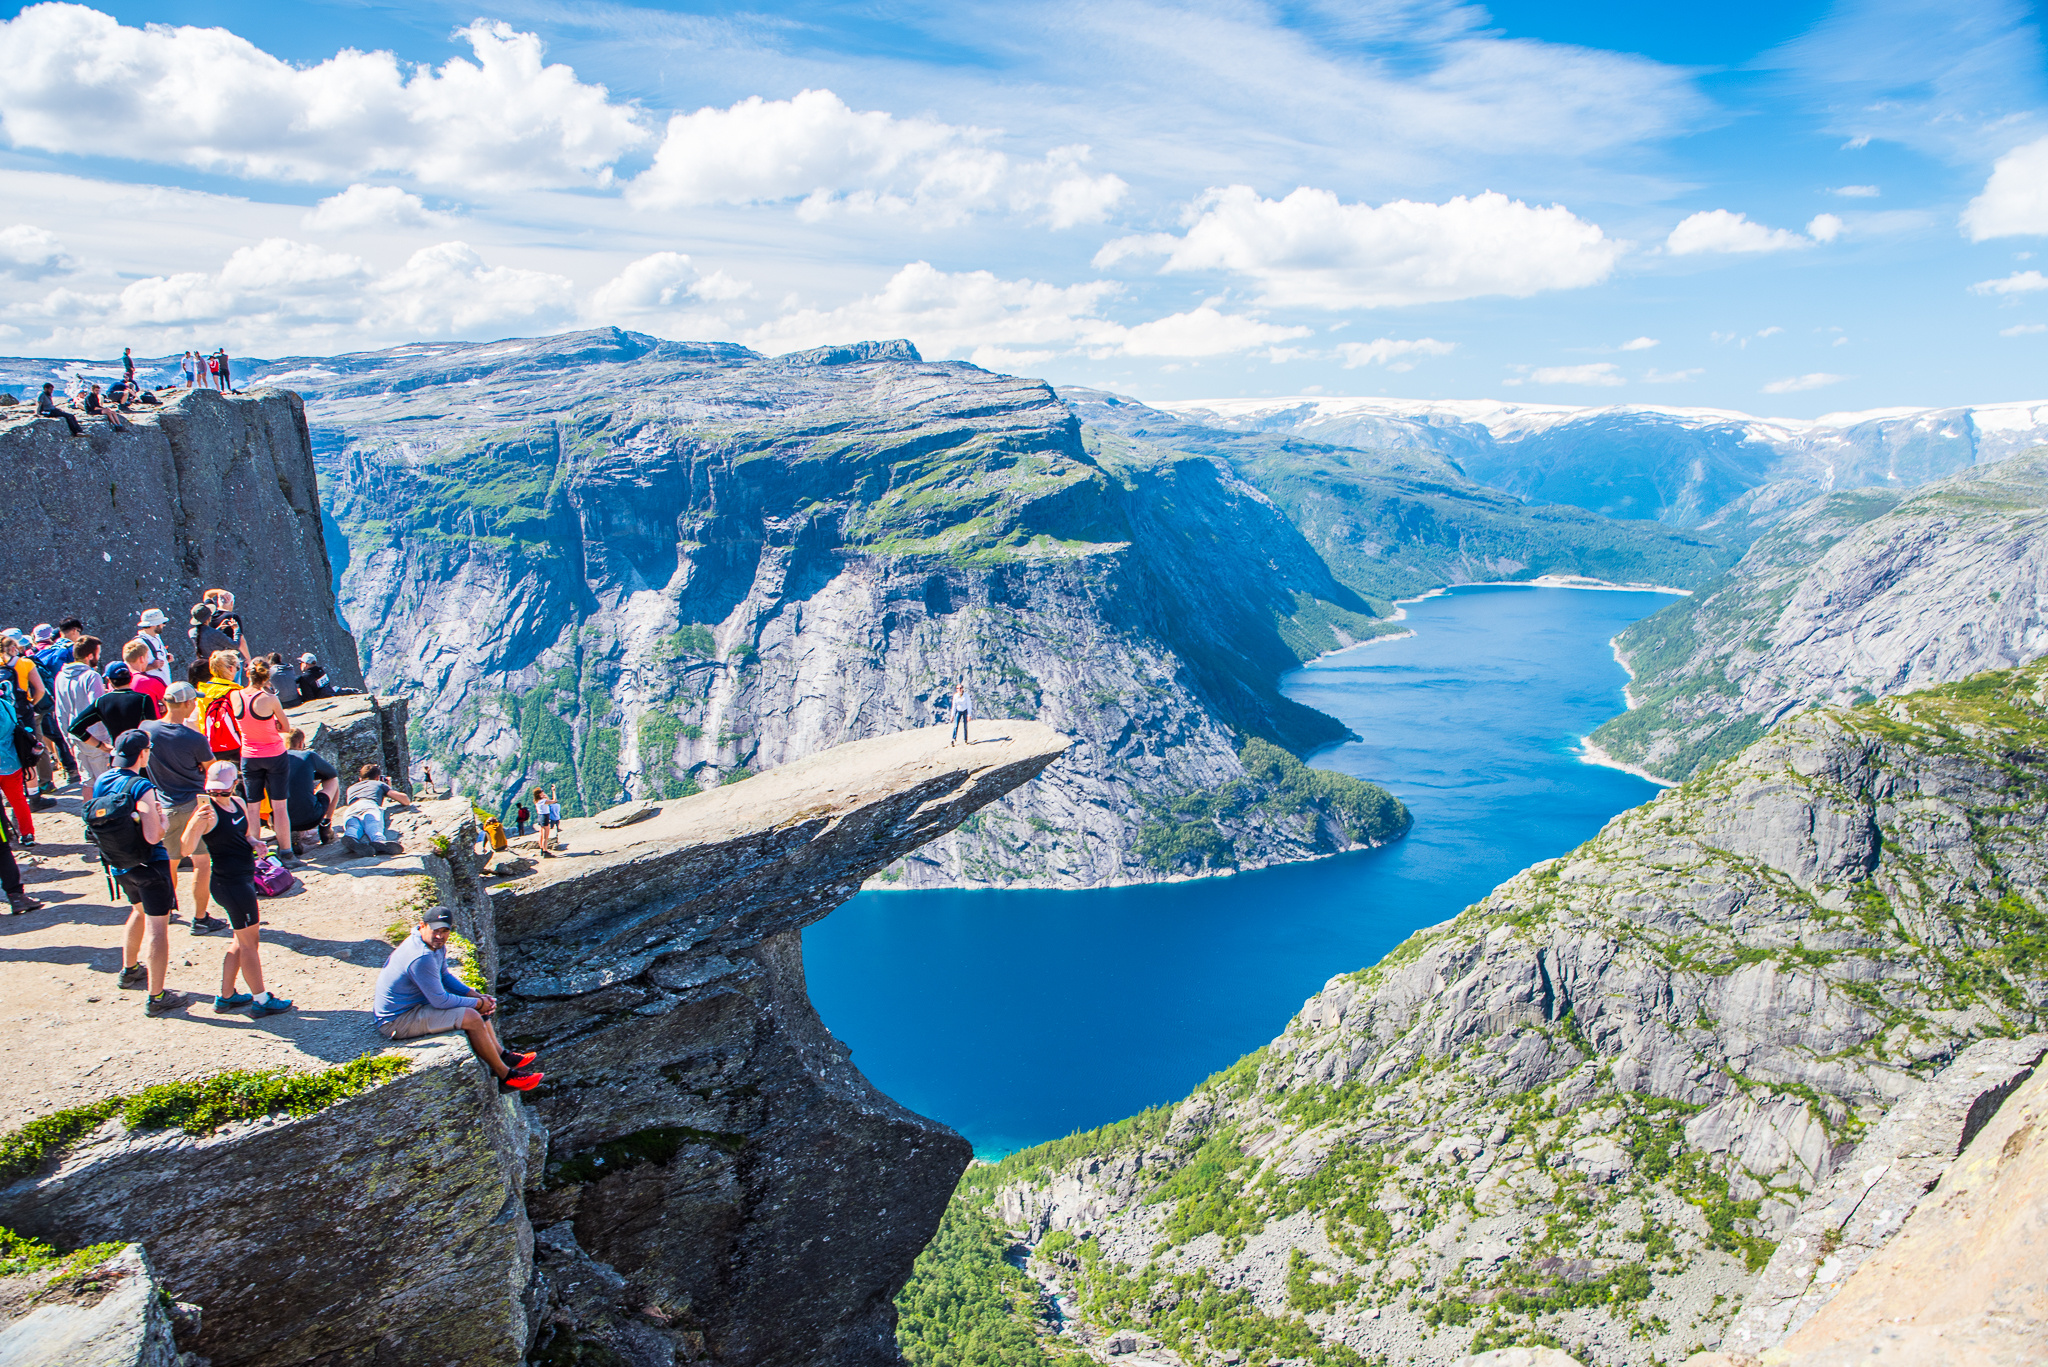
(1789, 209)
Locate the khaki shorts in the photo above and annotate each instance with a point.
(174, 831)
(422, 1020)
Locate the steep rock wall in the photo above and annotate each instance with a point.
(211, 490)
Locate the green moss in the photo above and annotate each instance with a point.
(198, 1106)
(21, 1256)
(657, 1145)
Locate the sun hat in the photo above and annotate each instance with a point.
(45, 632)
(221, 775)
(129, 745)
(309, 658)
(181, 691)
(154, 618)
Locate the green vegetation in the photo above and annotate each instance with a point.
(1186, 834)
(197, 1107)
(965, 1305)
(21, 1256)
(657, 1145)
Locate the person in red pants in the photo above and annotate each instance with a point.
(11, 774)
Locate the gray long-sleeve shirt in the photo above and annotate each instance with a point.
(417, 975)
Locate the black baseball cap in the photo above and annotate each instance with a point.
(129, 745)
(437, 916)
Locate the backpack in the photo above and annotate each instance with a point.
(28, 746)
(47, 665)
(273, 879)
(213, 365)
(112, 822)
(221, 731)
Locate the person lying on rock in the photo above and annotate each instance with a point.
(417, 995)
(363, 829)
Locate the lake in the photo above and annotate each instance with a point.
(1020, 1016)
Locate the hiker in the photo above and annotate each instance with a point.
(216, 627)
(313, 681)
(125, 818)
(51, 655)
(178, 760)
(185, 363)
(217, 694)
(363, 830)
(136, 656)
(12, 769)
(226, 379)
(260, 721)
(19, 903)
(48, 407)
(544, 811)
(25, 682)
(315, 788)
(963, 711)
(117, 709)
(417, 995)
(95, 407)
(79, 687)
(520, 816)
(149, 629)
(128, 369)
(227, 823)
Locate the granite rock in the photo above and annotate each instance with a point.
(113, 1316)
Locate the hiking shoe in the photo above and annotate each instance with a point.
(350, 846)
(276, 1006)
(163, 1003)
(326, 834)
(523, 1061)
(206, 925)
(390, 847)
(524, 1082)
(41, 802)
(25, 840)
(89, 857)
(234, 1003)
(23, 904)
(135, 975)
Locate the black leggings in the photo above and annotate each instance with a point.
(237, 897)
(267, 774)
(10, 872)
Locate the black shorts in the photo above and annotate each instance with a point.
(149, 887)
(236, 897)
(269, 774)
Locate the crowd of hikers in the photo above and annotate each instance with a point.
(112, 402)
(200, 768)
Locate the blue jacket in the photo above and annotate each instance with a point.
(416, 975)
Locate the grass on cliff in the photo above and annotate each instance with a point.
(1187, 835)
(198, 1107)
(21, 1256)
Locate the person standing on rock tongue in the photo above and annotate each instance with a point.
(545, 818)
(227, 823)
(963, 710)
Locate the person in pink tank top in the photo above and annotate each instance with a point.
(266, 768)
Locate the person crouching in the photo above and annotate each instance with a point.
(417, 995)
(227, 823)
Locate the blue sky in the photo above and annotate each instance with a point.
(1786, 209)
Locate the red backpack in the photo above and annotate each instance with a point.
(221, 731)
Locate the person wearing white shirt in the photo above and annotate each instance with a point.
(150, 631)
(963, 710)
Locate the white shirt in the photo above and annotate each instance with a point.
(963, 703)
(159, 655)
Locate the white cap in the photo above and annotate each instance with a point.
(154, 618)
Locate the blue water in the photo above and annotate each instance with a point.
(1017, 1017)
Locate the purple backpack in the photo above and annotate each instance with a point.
(273, 879)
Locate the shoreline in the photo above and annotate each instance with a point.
(1589, 753)
(1546, 581)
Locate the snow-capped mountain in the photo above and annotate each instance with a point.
(1678, 465)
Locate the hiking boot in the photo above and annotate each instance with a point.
(275, 1006)
(326, 834)
(352, 847)
(390, 847)
(234, 1003)
(135, 975)
(163, 1003)
(22, 904)
(41, 802)
(524, 1082)
(25, 840)
(206, 925)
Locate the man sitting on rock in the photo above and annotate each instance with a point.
(417, 995)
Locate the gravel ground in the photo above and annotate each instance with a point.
(78, 1037)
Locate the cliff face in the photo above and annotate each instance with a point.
(614, 565)
(1587, 1109)
(209, 491)
(1855, 595)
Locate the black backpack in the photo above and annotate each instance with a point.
(114, 825)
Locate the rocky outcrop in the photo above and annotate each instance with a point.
(113, 1315)
(626, 568)
(712, 1147)
(1588, 1109)
(1857, 595)
(356, 730)
(388, 1227)
(211, 490)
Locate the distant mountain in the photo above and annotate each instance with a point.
(1677, 465)
(1853, 595)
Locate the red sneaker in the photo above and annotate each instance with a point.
(525, 1082)
(515, 1064)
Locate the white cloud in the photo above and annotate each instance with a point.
(1856, 191)
(203, 97)
(362, 207)
(1311, 250)
(29, 253)
(1796, 383)
(1203, 332)
(2019, 282)
(952, 314)
(1655, 376)
(1600, 373)
(1718, 230)
(1639, 344)
(2015, 198)
(662, 283)
(2022, 329)
(1009, 362)
(448, 290)
(1769, 331)
(817, 149)
(1392, 352)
